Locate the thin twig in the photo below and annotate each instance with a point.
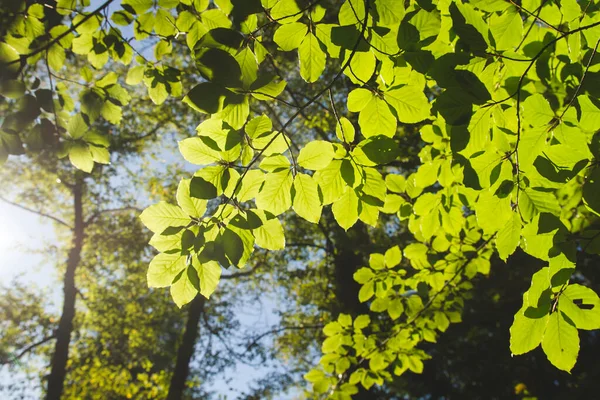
(277, 330)
(273, 20)
(28, 349)
(40, 213)
(62, 35)
(300, 244)
(91, 219)
(518, 93)
(244, 273)
(587, 67)
(423, 310)
(535, 16)
(299, 112)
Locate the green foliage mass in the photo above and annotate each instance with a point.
(503, 95)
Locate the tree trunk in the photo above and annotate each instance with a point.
(350, 257)
(186, 349)
(60, 357)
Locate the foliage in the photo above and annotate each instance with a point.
(503, 96)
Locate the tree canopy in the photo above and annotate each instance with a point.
(467, 129)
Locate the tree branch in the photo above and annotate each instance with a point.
(587, 67)
(40, 213)
(284, 328)
(91, 219)
(300, 244)
(425, 308)
(244, 273)
(158, 125)
(28, 349)
(62, 35)
(312, 100)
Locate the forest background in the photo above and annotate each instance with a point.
(96, 126)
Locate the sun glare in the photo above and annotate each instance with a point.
(9, 228)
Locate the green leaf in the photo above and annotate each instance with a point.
(395, 183)
(393, 256)
(344, 130)
(537, 111)
(390, 11)
(248, 65)
(330, 181)
(533, 202)
(362, 321)
(77, 126)
(273, 143)
(206, 97)
(507, 239)
(473, 19)
(12, 89)
(314, 375)
(507, 29)
(163, 215)
(236, 111)
(541, 235)
(316, 155)
(196, 151)
(493, 212)
(290, 36)
(210, 182)
(345, 209)
(427, 23)
(561, 342)
(275, 195)
(164, 268)
(258, 126)
(373, 185)
(232, 245)
(591, 194)
(358, 99)
(427, 174)
(530, 321)
(267, 87)
(250, 185)
(376, 150)
(185, 288)
(377, 261)
(192, 206)
(312, 58)
(377, 119)
(410, 103)
(306, 198)
(100, 154)
(581, 305)
(363, 275)
(395, 309)
(270, 235)
(81, 157)
(362, 67)
(274, 163)
(137, 6)
(286, 11)
(366, 291)
(164, 243)
(590, 114)
(214, 18)
(209, 274)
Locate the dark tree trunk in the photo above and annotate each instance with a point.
(352, 253)
(186, 349)
(350, 256)
(65, 326)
